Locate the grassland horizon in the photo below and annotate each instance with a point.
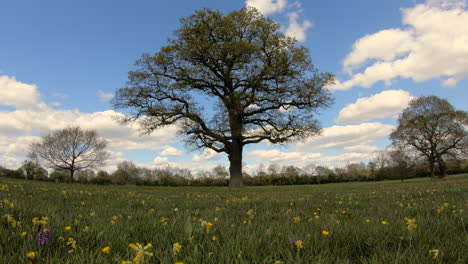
(416, 221)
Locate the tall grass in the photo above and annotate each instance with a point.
(249, 225)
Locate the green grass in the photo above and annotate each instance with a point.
(278, 213)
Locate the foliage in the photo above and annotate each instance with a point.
(71, 149)
(372, 222)
(262, 86)
(432, 127)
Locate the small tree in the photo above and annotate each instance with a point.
(70, 149)
(260, 84)
(432, 127)
(33, 171)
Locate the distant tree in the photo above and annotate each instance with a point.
(220, 172)
(32, 170)
(431, 126)
(262, 86)
(402, 163)
(70, 149)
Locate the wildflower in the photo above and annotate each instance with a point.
(296, 219)
(179, 262)
(411, 224)
(68, 228)
(23, 234)
(214, 238)
(31, 255)
(106, 250)
(141, 252)
(43, 238)
(176, 248)
(72, 243)
(85, 229)
(325, 233)
(434, 253)
(293, 240)
(367, 220)
(384, 222)
(207, 225)
(299, 244)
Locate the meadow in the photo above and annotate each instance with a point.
(416, 221)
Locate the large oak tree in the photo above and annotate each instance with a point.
(260, 85)
(433, 128)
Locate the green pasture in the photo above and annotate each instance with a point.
(416, 221)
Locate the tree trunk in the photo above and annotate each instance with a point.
(72, 172)
(431, 167)
(442, 167)
(235, 167)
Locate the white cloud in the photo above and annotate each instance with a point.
(105, 96)
(267, 7)
(302, 159)
(171, 151)
(60, 95)
(338, 137)
(160, 161)
(385, 104)
(361, 148)
(208, 154)
(56, 104)
(295, 29)
(10, 162)
(17, 94)
(433, 44)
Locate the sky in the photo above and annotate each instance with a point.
(62, 61)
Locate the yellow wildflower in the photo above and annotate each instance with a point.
(214, 238)
(367, 220)
(31, 255)
(299, 244)
(68, 228)
(176, 248)
(384, 222)
(325, 233)
(434, 253)
(106, 250)
(23, 234)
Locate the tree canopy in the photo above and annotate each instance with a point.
(262, 85)
(433, 128)
(70, 149)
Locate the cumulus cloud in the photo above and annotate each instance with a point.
(339, 137)
(105, 96)
(208, 154)
(433, 43)
(17, 94)
(385, 104)
(302, 159)
(361, 148)
(10, 162)
(160, 161)
(267, 7)
(295, 29)
(171, 151)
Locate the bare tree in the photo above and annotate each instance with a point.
(71, 149)
(432, 127)
(262, 86)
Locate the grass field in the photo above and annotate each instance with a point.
(418, 221)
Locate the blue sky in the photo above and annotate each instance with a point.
(61, 61)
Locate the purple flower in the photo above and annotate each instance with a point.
(293, 240)
(43, 238)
